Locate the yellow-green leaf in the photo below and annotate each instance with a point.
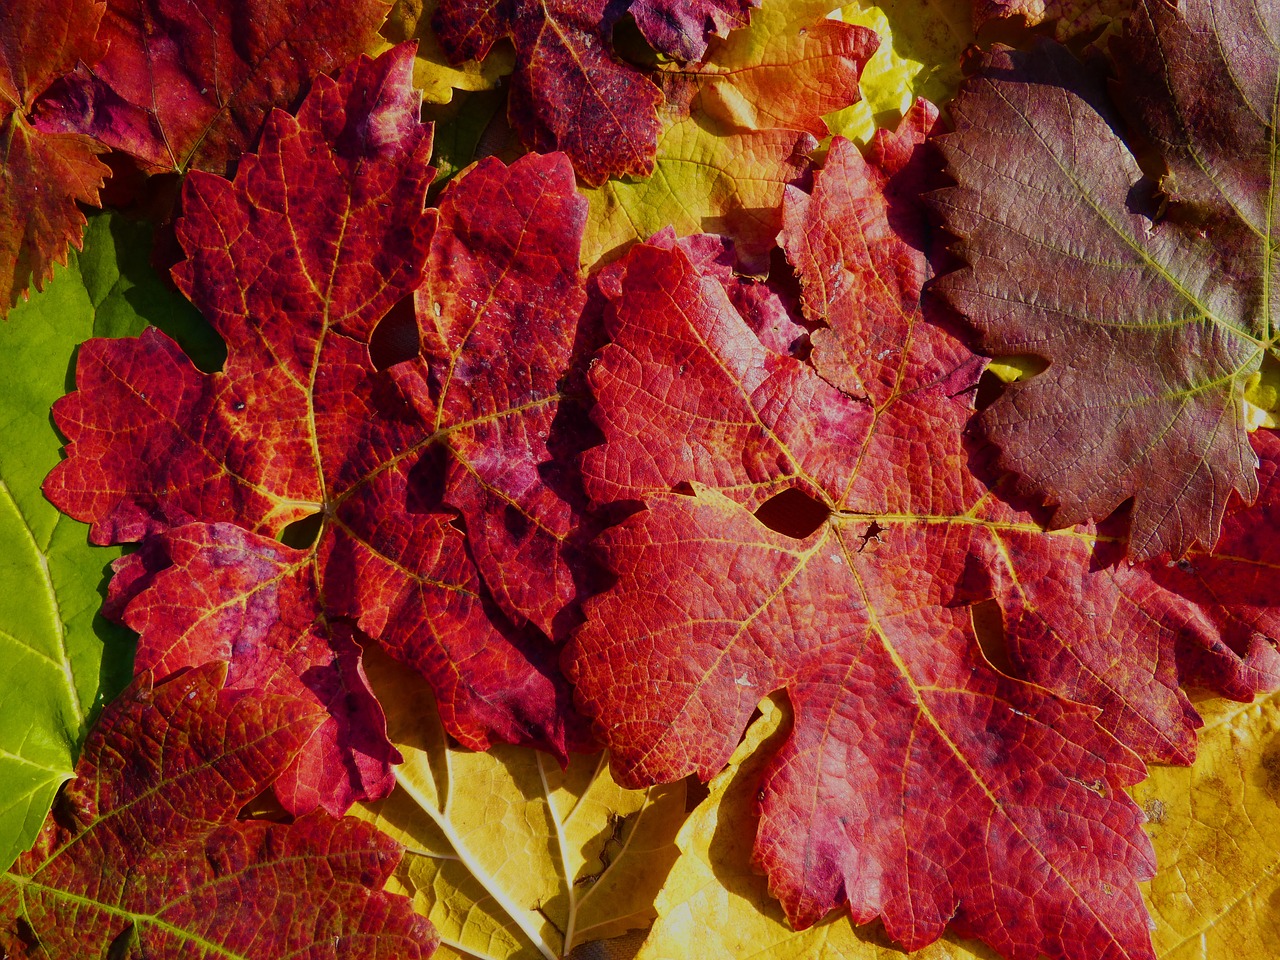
(508, 855)
(919, 56)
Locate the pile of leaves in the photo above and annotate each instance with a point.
(473, 426)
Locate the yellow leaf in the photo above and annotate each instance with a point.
(736, 129)
(433, 74)
(919, 56)
(508, 855)
(1215, 826)
(1216, 830)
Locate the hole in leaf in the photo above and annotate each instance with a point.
(793, 513)
(988, 627)
(1005, 370)
(302, 534)
(395, 338)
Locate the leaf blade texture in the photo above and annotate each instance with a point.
(1125, 294)
(44, 174)
(147, 856)
(569, 92)
(736, 129)
(861, 614)
(186, 87)
(61, 660)
(509, 855)
(295, 262)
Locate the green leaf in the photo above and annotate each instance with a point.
(59, 659)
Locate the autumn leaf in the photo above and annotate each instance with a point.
(433, 74)
(921, 42)
(1070, 18)
(43, 174)
(736, 130)
(509, 855)
(716, 906)
(61, 658)
(1152, 324)
(569, 91)
(832, 543)
(187, 86)
(295, 263)
(144, 855)
(680, 28)
(1212, 826)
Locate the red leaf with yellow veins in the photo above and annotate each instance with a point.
(569, 92)
(143, 855)
(1150, 303)
(680, 28)
(42, 175)
(188, 85)
(836, 544)
(443, 528)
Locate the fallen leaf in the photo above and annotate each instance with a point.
(680, 28)
(568, 92)
(143, 855)
(1152, 325)
(921, 42)
(736, 130)
(187, 86)
(832, 543)
(509, 855)
(716, 905)
(51, 639)
(433, 74)
(1070, 18)
(295, 263)
(43, 174)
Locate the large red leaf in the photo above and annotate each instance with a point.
(569, 92)
(442, 532)
(920, 783)
(1151, 303)
(42, 175)
(187, 85)
(143, 855)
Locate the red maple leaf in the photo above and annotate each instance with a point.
(443, 528)
(187, 85)
(143, 855)
(920, 784)
(42, 175)
(569, 91)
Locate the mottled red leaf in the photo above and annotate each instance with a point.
(1153, 308)
(569, 92)
(42, 175)
(187, 85)
(143, 855)
(920, 784)
(442, 527)
(680, 28)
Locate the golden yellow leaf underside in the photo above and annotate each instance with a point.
(509, 856)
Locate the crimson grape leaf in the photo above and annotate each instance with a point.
(680, 28)
(42, 175)
(143, 855)
(439, 528)
(1154, 314)
(920, 784)
(188, 85)
(568, 92)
